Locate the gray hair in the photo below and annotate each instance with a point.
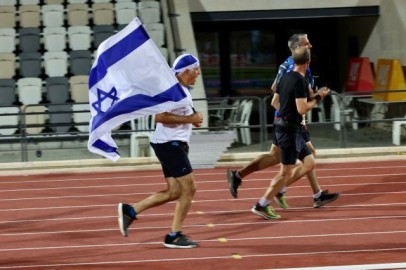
(295, 40)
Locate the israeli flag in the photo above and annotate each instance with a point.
(129, 78)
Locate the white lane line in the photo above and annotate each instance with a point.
(159, 175)
(214, 200)
(261, 238)
(263, 222)
(202, 182)
(392, 266)
(201, 190)
(185, 259)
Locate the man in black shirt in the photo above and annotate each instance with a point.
(291, 100)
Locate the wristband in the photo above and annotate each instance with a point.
(317, 98)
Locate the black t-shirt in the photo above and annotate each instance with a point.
(291, 86)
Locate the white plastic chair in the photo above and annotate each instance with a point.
(9, 120)
(55, 39)
(397, 131)
(81, 117)
(56, 63)
(320, 113)
(125, 12)
(29, 90)
(149, 11)
(7, 40)
(79, 37)
(53, 15)
(241, 121)
(350, 114)
(145, 125)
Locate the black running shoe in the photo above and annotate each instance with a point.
(179, 241)
(325, 198)
(233, 182)
(124, 218)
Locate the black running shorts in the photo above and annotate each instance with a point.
(174, 158)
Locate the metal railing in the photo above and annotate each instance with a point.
(341, 132)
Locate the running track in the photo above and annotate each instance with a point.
(69, 221)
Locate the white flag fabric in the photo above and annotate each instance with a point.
(129, 78)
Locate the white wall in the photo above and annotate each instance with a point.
(237, 5)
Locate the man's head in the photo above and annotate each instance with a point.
(301, 56)
(299, 40)
(186, 68)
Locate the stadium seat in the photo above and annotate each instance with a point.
(143, 127)
(80, 62)
(156, 32)
(60, 117)
(29, 2)
(54, 39)
(54, 2)
(79, 37)
(8, 2)
(77, 1)
(56, 63)
(57, 90)
(78, 14)
(7, 40)
(30, 16)
(34, 118)
(53, 15)
(30, 64)
(9, 116)
(29, 90)
(125, 12)
(79, 88)
(103, 13)
(7, 65)
(7, 92)
(30, 39)
(101, 33)
(149, 11)
(81, 116)
(8, 16)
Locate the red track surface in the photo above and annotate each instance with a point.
(69, 221)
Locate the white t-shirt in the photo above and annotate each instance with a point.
(178, 132)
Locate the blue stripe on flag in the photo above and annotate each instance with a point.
(104, 147)
(117, 52)
(138, 102)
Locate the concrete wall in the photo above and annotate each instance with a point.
(388, 38)
(236, 5)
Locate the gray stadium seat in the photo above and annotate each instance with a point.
(61, 117)
(57, 90)
(7, 92)
(80, 62)
(101, 33)
(29, 39)
(30, 64)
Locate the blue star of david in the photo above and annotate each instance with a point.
(101, 96)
